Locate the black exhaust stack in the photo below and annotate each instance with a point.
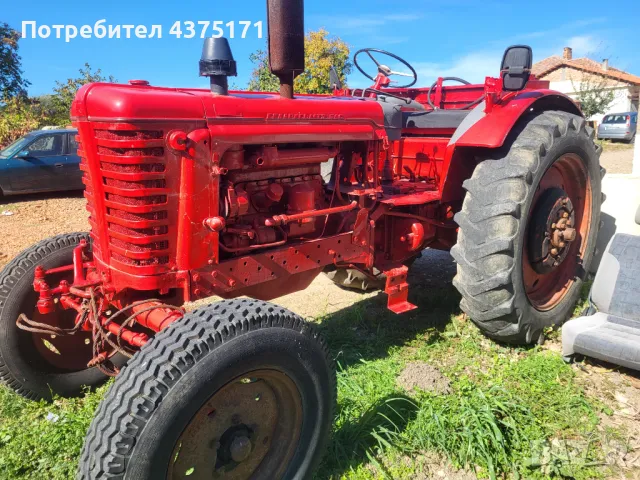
(286, 41)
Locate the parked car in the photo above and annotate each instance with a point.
(41, 161)
(619, 126)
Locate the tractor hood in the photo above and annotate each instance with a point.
(123, 103)
(239, 117)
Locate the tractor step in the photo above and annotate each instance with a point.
(397, 290)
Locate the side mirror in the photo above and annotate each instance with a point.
(516, 67)
(23, 154)
(334, 79)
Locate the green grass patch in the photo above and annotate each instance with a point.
(506, 407)
(40, 440)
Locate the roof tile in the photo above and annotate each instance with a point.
(549, 64)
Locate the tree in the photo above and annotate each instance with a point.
(11, 82)
(321, 52)
(262, 80)
(18, 116)
(594, 94)
(65, 92)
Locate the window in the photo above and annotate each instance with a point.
(15, 147)
(46, 146)
(73, 145)
(615, 119)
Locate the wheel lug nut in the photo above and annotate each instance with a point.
(240, 449)
(565, 215)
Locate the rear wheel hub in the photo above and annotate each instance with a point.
(552, 230)
(558, 227)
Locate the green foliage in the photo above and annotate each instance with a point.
(506, 408)
(65, 92)
(593, 94)
(40, 440)
(321, 52)
(11, 82)
(19, 116)
(262, 80)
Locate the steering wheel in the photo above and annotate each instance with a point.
(383, 69)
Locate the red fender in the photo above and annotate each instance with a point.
(490, 130)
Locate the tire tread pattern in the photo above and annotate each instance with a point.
(155, 370)
(490, 220)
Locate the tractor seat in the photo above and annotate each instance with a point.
(434, 119)
(613, 333)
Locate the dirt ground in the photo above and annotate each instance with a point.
(26, 220)
(617, 158)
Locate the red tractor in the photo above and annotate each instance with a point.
(193, 193)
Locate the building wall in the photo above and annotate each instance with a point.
(568, 80)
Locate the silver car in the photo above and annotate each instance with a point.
(619, 126)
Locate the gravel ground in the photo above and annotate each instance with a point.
(617, 160)
(27, 219)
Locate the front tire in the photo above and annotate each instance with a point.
(514, 277)
(35, 365)
(240, 388)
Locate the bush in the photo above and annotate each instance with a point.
(18, 117)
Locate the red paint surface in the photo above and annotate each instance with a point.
(192, 194)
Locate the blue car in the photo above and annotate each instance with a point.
(41, 161)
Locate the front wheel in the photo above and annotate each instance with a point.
(528, 228)
(35, 365)
(236, 390)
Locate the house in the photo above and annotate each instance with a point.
(566, 74)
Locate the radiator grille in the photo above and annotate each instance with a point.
(132, 168)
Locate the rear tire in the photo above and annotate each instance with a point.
(156, 420)
(494, 265)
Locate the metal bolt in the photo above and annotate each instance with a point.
(561, 244)
(240, 449)
(196, 277)
(210, 261)
(565, 215)
(197, 292)
(232, 282)
(214, 274)
(331, 252)
(363, 243)
(554, 251)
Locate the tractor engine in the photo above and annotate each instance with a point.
(263, 189)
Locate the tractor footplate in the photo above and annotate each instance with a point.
(397, 289)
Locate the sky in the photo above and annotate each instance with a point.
(461, 38)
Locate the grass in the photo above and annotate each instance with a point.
(506, 406)
(609, 145)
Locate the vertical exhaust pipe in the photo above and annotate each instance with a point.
(286, 41)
